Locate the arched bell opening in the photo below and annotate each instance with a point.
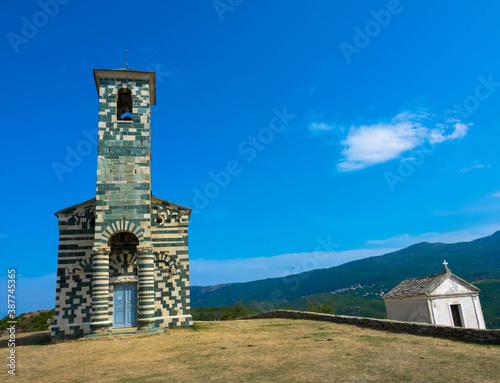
(124, 105)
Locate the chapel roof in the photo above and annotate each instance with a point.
(425, 285)
(72, 208)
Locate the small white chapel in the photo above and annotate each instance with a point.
(441, 299)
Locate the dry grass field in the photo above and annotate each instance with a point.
(271, 350)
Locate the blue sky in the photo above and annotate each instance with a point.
(349, 128)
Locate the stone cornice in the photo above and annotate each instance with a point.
(145, 249)
(101, 250)
(124, 279)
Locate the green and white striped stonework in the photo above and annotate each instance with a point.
(170, 241)
(88, 266)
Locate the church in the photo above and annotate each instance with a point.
(123, 255)
(440, 299)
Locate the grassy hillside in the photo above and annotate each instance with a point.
(28, 322)
(475, 260)
(267, 350)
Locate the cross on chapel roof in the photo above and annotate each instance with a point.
(446, 269)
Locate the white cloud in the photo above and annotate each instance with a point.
(436, 136)
(459, 132)
(373, 144)
(472, 167)
(320, 126)
(497, 194)
(368, 145)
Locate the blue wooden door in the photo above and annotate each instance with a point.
(125, 305)
(131, 305)
(119, 306)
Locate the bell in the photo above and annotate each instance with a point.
(125, 113)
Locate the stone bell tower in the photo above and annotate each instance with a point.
(134, 271)
(123, 191)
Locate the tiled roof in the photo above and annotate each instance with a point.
(424, 285)
(413, 286)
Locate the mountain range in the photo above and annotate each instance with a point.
(473, 261)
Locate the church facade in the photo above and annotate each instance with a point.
(440, 299)
(123, 255)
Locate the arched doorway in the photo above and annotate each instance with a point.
(123, 278)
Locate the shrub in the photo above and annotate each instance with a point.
(325, 308)
(238, 311)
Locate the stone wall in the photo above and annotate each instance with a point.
(466, 334)
(74, 270)
(169, 234)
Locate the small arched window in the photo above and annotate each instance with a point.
(124, 105)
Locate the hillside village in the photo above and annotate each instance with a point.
(365, 293)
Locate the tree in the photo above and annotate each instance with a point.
(238, 311)
(325, 308)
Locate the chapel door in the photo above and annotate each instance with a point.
(125, 305)
(455, 314)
